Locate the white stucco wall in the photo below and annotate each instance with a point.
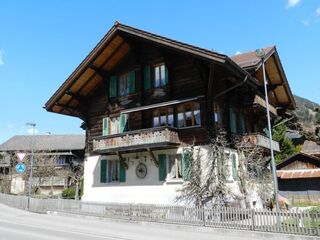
(147, 190)
(17, 184)
(134, 190)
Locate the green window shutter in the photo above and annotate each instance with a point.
(147, 78)
(105, 126)
(186, 165)
(241, 123)
(232, 121)
(123, 122)
(122, 171)
(113, 86)
(103, 171)
(162, 158)
(132, 81)
(166, 79)
(234, 166)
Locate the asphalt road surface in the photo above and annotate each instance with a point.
(17, 224)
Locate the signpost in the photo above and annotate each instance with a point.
(21, 156)
(20, 167)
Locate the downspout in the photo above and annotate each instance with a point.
(231, 88)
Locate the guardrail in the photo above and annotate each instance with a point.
(291, 222)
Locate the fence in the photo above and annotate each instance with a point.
(292, 222)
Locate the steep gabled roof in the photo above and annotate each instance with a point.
(280, 93)
(44, 143)
(108, 52)
(249, 60)
(299, 157)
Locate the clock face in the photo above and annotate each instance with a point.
(141, 170)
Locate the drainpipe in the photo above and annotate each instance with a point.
(231, 88)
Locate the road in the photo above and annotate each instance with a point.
(16, 224)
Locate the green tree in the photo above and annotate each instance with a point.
(287, 148)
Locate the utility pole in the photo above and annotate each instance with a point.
(261, 54)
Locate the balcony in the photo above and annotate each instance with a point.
(262, 141)
(140, 139)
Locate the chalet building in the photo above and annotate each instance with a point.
(55, 158)
(143, 98)
(299, 178)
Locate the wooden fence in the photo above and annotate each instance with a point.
(291, 222)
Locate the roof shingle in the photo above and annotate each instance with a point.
(44, 143)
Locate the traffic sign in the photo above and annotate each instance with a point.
(21, 156)
(20, 168)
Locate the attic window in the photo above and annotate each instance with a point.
(160, 75)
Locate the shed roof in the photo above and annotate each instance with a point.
(44, 143)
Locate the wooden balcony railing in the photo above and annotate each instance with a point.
(152, 137)
(262, 141)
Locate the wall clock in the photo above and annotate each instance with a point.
(141, 170)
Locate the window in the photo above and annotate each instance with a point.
(124, 84)
(217, 114)
(237, 124)
(163, 117)
(61, 160)
(109, 171)
(174, 165)
(114, 125)
(189, 115)
(113, 171)
(160, 75)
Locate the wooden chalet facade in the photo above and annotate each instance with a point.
(143, 97)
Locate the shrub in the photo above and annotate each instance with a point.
(69, 193)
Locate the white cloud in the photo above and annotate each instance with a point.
(30, 131)
(9, 125)
(292, 3)
(1, 58)
(318, 12)
(305, 22)
(238, 52)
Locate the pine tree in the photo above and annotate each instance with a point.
(287, 148)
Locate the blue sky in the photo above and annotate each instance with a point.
(41, 43)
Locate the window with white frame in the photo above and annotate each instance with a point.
(124, 84)
(113, 171)
(159, 75)
(174, 166)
